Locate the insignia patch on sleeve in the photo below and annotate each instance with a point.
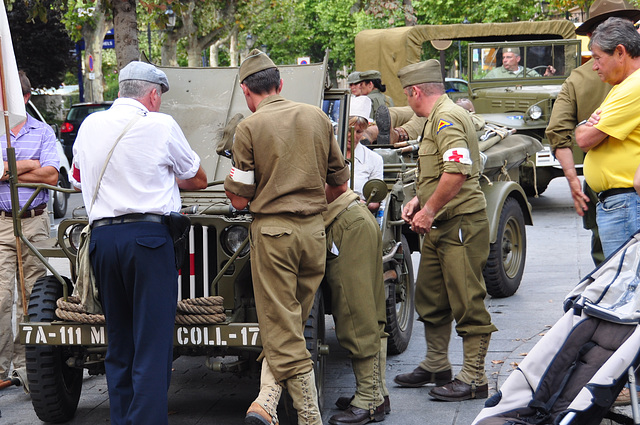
(443, 124)
(460, 155)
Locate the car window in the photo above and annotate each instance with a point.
(523, 61)
(81, 112)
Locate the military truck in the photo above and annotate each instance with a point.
(202, 100)
(522, 102)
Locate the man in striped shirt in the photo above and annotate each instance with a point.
(36, 162)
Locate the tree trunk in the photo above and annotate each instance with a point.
(409, 16)
(233, 47)
(125, 29)
(169, 49)
(93, 37)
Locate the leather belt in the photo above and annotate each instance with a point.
(129, 218)
(34, 212)
(617, 191)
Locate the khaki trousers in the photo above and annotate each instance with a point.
(287, 264)
(34, 229)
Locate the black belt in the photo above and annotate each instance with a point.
(34, 212)
(617, 191)
(129, 218)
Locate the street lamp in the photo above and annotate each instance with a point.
(171, 18)
(250, 41)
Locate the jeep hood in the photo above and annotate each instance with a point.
(203, 100)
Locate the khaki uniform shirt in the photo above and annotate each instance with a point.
(581, 94)
(502, 72)
(377, 100)
(448, 128)
(291, 149)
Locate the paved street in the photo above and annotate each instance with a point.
(557, 258)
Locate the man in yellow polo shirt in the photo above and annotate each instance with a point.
(611, 136)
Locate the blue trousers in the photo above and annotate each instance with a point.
(618, 219)
(137, 280)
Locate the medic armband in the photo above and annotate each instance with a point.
(244, 177)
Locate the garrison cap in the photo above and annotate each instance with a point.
(370, 75)
(515, 50)
(354, 78)
(422, 72)
(256, 61)
(143, 71)
(601, 10)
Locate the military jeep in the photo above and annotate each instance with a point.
(203, 100)
(523, 103)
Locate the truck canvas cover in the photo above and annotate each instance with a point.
(388, 50)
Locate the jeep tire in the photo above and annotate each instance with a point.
(400, 303)
(505, 265)
(55, 387)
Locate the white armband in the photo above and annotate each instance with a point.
(244, 177)
(460, 155)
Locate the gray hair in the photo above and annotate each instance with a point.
(431, 89)
(616, 31)
(137, 89)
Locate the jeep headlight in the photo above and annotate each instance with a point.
(74, 236)
(534, 112)
(231, 239)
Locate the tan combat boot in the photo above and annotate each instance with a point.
(472, 381)
(263, 411)
(302, 389)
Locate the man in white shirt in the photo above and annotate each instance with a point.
(131, 248)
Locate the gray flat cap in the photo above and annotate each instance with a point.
(143, 71)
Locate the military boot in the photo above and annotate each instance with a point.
(263, 411)
(367, 404)
(472, 381)
(435, 368)
(302, 389)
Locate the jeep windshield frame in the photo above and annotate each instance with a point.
(563, 55)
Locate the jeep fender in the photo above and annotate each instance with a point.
(496, 194)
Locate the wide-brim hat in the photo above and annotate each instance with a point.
(601, 10)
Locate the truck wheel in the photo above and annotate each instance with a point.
(314, 334)
(400, 303)
(55, 387)
(505, 264)
(59, 198)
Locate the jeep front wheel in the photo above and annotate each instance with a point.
(55, 387)
(507, 254)
(400, 302)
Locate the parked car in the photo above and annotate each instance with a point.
(75, 116)
(58, 199)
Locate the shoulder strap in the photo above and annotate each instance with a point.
(135, 118)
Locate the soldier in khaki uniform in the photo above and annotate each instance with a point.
(370, 84)
(450, 211)
(581, 94)
(358, 305)
(284, 154)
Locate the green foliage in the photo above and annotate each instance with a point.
(435, 12)
(42, 49)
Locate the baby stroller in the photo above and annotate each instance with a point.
(574, 373)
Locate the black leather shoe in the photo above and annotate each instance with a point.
(356, 416)
(383, 121)
(420, 377)
(458, 391)
(343, 403)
